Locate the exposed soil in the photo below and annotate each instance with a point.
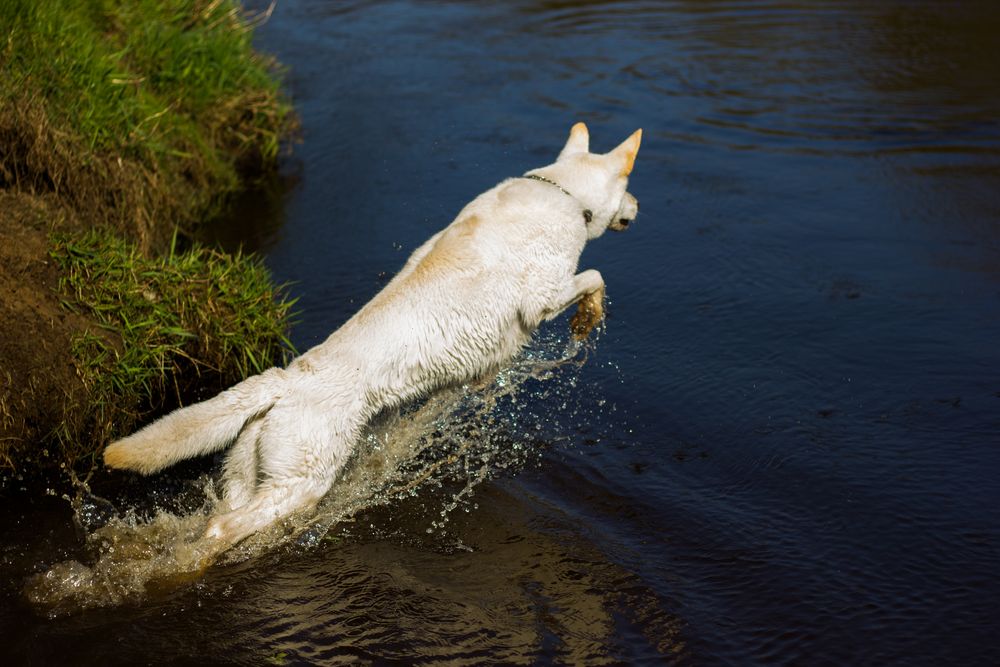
(39, 384)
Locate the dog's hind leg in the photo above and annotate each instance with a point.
(272, 503)
(239, 473)
(300, 450)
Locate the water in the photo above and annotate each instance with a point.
(783, 448)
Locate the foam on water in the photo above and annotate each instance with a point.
(460, 436)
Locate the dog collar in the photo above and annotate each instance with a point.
(587, 214)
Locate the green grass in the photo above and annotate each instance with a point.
(166, 325)
(160, 105)
(137, 118)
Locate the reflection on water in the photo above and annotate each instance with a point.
(459, 602)
(783, 446)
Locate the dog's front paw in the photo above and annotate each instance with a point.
(589, 313)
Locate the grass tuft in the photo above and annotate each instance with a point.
(161, 333)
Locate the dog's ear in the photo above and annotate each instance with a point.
(625, 154)
(578, 142)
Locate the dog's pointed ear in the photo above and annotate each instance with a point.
(578, 142)
(626, 152)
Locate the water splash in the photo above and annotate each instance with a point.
(457, 437)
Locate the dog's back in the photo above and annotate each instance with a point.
(456, 310)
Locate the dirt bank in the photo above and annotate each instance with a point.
(123, 127)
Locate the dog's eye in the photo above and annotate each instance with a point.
(587, 215)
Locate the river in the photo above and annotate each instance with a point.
(783, 447)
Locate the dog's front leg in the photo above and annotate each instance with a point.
(587, 288)
(588, 314)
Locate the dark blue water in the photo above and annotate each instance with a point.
(785, 446)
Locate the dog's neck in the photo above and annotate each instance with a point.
(587, 214)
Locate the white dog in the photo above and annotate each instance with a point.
(464, 304)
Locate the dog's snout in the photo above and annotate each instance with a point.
(626, 214)
(620, 225)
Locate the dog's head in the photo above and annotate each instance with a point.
(598, 180)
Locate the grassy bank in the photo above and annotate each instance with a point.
(135, 112)
(139, 119)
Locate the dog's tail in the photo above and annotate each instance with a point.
(198, 429)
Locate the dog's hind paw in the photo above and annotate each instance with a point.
(589, 313)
